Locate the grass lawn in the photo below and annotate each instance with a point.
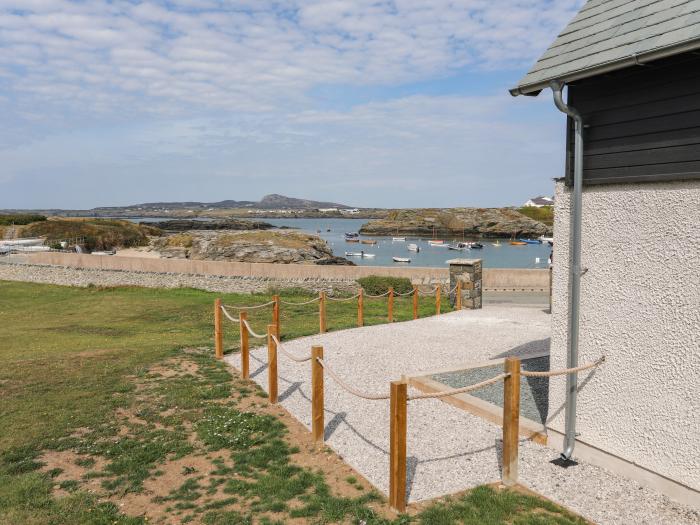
(115, 412)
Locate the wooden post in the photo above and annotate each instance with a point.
(317, 416)
(511, 420)
(218, 330)
(397, 446)
(245, 349)
(276, 316)
(458, 298)
(271, 365)
(322, 312)
(391, 305)
(361, 308)
(438, 295)
(415, 302)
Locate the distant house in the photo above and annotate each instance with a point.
(626, 245)
(328, 210)
(538, 202)
(350, 211)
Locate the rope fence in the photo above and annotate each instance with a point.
(461, 390)
(564, 371)
(398, 401)
(251, 332)
(249, 307)
(289, 354)
(351, 390)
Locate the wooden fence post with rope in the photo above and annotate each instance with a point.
(245, 345)
(361, 308)
(391, 305)
(458, 296)
(218, 331)
(397, 445)
(317, 415)
(415, 302)
(271, 364)
(511, 420)
(438, 296)
(276, 315)
(322, 312)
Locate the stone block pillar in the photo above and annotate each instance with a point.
(468, 272)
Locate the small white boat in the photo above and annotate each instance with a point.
(413, 248)
(359, 254)
(497, 244)
(546, 239)
(436, 242)
(27, 241)
(398, 239)
(368, 255)
(401, 259)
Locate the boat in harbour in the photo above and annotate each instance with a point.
(398, 239)
(351, 235)
(497, 244)
(476, 246)
(348, 239)
(360, 254)
(401, 259)
(542, 238)
(413, 247)
(530, 241)
(518, 243)
(460, 246)
(369, 241)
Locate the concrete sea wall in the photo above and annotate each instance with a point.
(110, 270)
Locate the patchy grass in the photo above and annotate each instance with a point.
(545, 214)
(114, 412)
(99, 234)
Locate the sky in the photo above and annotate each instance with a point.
(372, 103)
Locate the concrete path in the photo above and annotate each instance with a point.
(449, 450)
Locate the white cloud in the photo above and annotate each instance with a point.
(250, 56)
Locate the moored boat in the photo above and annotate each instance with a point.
(347, 239)
(530, 241)
(398, 239)
(518, 243)
(413, 247)
(368, 241)
(351, 235)
(476, 246)
(401, 259)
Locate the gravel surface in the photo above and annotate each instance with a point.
(534, 391)
(449, 450)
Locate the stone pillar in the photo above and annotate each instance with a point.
(468, 272)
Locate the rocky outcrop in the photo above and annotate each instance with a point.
(181, 225)
(474, 222)
(284, 247)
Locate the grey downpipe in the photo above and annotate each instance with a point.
(574, 270)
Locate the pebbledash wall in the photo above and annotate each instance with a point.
(640, 306)
(494, 279)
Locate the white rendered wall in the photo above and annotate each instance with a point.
(640, 306)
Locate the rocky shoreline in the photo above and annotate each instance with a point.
(470, 222)
(277, 246)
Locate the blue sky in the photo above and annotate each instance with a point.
(367, 102)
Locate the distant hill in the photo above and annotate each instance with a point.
(268, 202)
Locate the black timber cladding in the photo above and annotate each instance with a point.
(641, 123)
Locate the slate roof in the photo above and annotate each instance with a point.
(607, 35)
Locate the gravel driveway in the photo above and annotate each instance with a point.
(449, 450)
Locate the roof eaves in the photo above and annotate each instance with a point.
(606, 67)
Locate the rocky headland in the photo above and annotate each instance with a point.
(283, 247)
(471, 222)
(182, 225)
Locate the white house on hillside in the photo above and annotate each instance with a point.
(538, 202)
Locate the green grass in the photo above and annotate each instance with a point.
(545, 214)
(72, 356)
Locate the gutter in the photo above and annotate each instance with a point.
(635, 59)
(574, 270)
